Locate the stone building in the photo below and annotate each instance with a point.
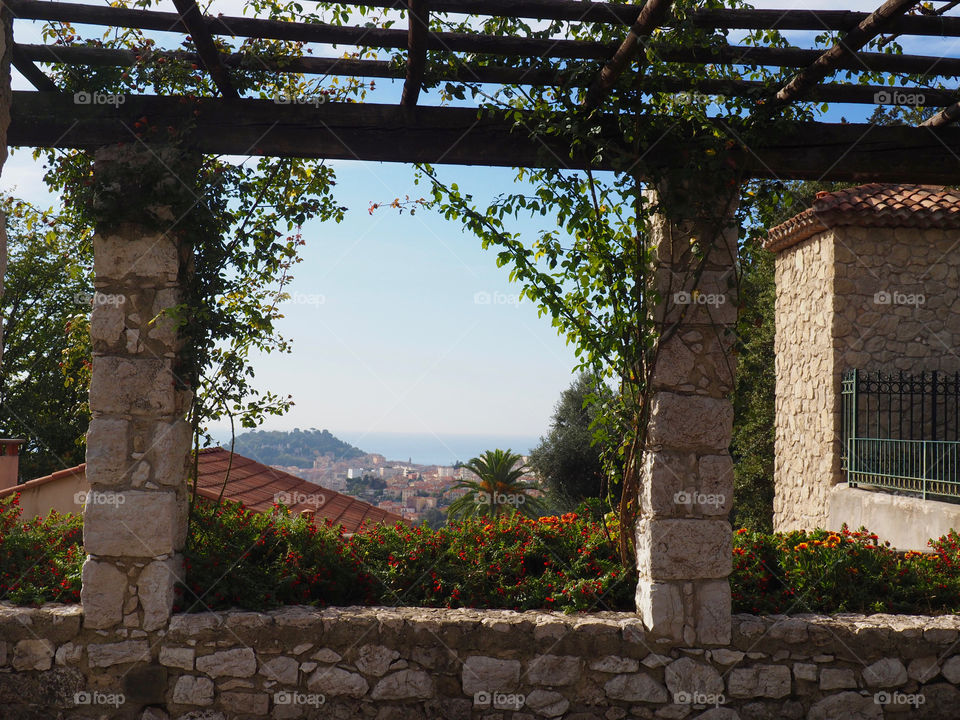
(867, 279)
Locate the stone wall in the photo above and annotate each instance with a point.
(805, 422)
(394, 664)
(875, 299)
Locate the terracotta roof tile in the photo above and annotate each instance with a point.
(874, 205)
(257, 486)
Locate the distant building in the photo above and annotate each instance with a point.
(255, 485)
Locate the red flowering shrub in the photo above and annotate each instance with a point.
(40, 561)
(564, 563)
(239, 558)
(846, 571)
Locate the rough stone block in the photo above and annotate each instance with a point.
(169, 452)
(404, 685)
(334, 681)
(660, 606)
(281, 669)
(238, 662)
(155, 592)
(487, 674)
(177, 657)
(144, 524)
(553, 670)
(690, 422)
(108, 453)
(192, 690)
(127, 386)
(635, 687)
(669, 479)
(375, 659)
(109, 654)
(150, 258)
(689, 549)
(33, 654)
(713, 612)
(885, 673)
(101, 594)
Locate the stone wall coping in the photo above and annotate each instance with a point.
(747, 628)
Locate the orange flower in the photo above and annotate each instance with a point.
(742, 531)
(801, 546)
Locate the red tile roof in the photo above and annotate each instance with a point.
(874, 205)
(259, 486)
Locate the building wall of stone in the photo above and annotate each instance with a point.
(805, 420)
(897, 299)
(875, 299)
(409, 663)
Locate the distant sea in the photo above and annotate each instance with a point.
(427, 449)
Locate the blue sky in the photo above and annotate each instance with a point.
(391, 332)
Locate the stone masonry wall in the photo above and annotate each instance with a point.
(876, 299)
(395, 664)
(805, 423)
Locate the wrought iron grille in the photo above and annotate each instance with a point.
(902, 432)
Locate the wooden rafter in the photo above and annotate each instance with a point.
(192, 20)
(34, 75)
(947, 116)
(418, 31)
(455, 135)
(846, 48)
(731, 55)
(571, 10)
(652, 16)
(832, 92)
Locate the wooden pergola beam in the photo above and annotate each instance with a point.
(451, 135)
(652, 16)
(947, 116)
(192, 20)
(34, 75)
(571, 10)
(847, 47)
(418, 30)
(469, 73)
(731, 54)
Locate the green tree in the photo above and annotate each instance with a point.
(766, 204)
(47, 295)
(568, 458)
(497, 489)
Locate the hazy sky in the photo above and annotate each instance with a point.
(404, 323)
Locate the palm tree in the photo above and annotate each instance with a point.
(497, 488)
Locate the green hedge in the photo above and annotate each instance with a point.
(237, 558)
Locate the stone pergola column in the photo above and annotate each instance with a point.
(683, 535)
(138, 443)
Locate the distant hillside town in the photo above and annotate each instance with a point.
(414, 491)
